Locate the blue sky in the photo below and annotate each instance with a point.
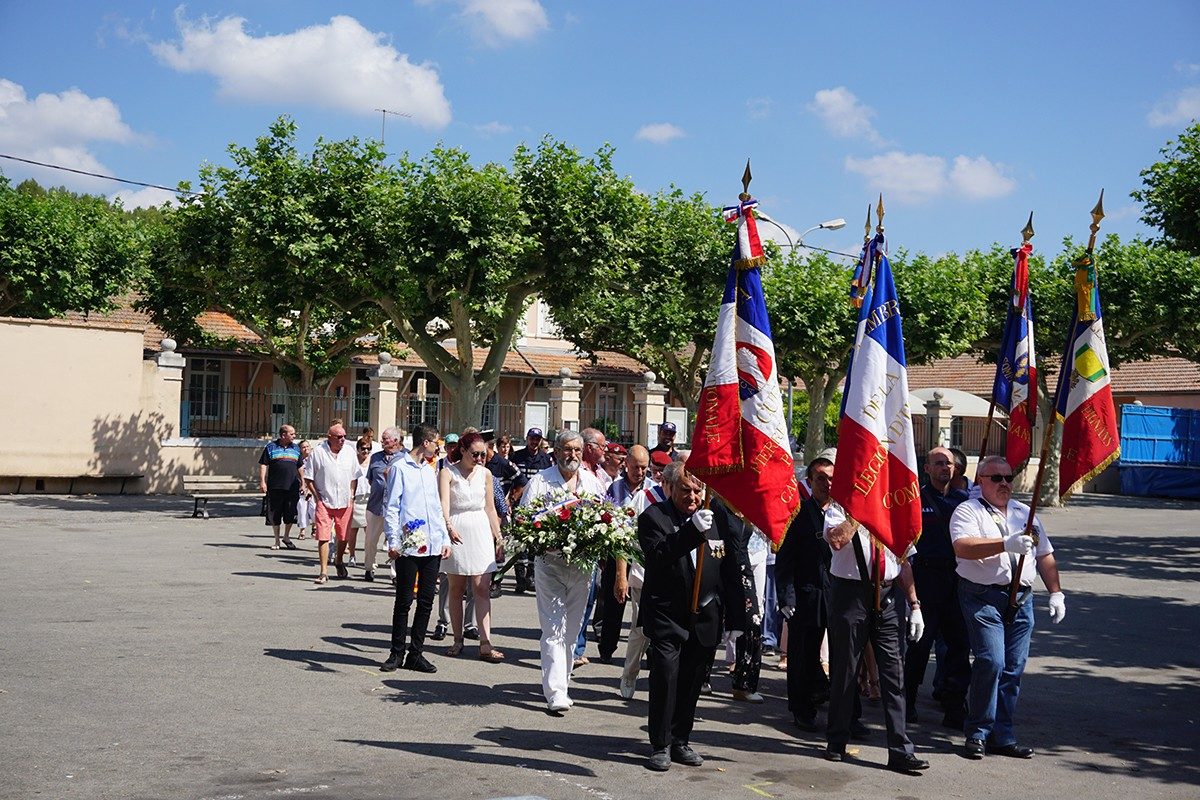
(966, 115)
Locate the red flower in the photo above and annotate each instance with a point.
(606, 517)
(423, 548)
(629, 512)
(564, 513)
(537, 524)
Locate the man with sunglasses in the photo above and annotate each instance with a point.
(331, 477)
(989, 541)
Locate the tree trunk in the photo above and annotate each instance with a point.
(300, 407)
(469, 397)
(1046, 414)
(814, 439)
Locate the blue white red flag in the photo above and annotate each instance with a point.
(740, 444)
(876, 476)
(1015, 387)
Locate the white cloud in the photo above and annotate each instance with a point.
(59, 129)
(143, 198)
(844, 115)
(911, 177)
(659, 133)
(980, 179)
(915, 177)
(341, 65)
(1178, 110)
(493, 128)
(1185, 68)
(497, 22)
(759, 107)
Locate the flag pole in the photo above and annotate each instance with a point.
(1015, 587)
(875, 566)
(1026, 236)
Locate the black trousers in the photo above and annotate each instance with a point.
(677, 669)
(613, 612)
(805, 678)
(937, 589)
(852, 623)
(422, 570)
(747, 649)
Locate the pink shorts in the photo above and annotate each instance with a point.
(332, 520)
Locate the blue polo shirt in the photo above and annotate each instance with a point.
(936, 510)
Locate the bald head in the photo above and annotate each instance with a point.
(939, 466)
(636, 465)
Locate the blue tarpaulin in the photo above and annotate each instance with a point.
(1160, 451)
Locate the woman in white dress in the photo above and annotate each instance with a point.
(362, 491)
(469, 506)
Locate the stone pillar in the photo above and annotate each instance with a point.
(937, 421)
(168, 389)
(649, 409)
(385, 386)
(564, 401)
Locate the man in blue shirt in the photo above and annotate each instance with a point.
(418, 540)
(279, 480)
(378, 471)
(933, 569)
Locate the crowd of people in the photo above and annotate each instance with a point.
(849, 620)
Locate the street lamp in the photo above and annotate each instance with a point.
(828, 225)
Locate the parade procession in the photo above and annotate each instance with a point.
(541, 400)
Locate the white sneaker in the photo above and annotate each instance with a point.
(560, 704)
(628, 687)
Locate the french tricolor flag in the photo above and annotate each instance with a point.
(875, 480)
(740, 444)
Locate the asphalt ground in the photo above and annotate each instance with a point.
(144, 654)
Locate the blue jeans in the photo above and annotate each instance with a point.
(581, 642)
(772, 619)
(1000, 650)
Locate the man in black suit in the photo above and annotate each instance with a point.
(802, 590)
(673, 536)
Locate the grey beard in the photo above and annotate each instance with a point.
(568, 465)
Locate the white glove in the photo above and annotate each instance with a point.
(1018, 544)
(702, 519)
(787, 611)
(916, 625)
(1058, 607)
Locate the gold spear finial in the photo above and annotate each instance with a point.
(867, 226)
(879, 212)
(1027, 231)
(746, 178)
(1097, 215)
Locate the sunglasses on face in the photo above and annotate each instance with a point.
(364, 449)
(343, 436)
(1000, 478)
(479, 454)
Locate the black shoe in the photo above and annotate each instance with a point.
(604, 659)
(419, 663)
(392, 664)
(706, 688)
(439, 632)
(806, 723)
(1013, 750)
(835, 754)
(769, 651)
(974, 749)
(859, 731)
(471, 633)
(369, 576)
(682, 754)
(342, 572)
(908, 764)
(659, 761)
(494, 592)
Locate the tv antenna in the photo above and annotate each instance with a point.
(383, 127)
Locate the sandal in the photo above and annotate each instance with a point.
(274, 547)
(454, 649)
(289, 544)
(491, 655)
(321, 579)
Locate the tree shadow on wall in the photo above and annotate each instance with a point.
(132, 445)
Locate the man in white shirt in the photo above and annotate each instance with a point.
(562, 590)
(626, 580)
(330, 475)
(853, 621)
(990, 542)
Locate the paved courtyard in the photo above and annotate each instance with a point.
(149, 655)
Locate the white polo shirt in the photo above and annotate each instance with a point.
(331, 473)
(977, 519)
(845, 563)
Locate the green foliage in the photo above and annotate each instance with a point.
(800, 418)
(1171, 197)
(63, 252)
(657, 301)
(612, 431)
(274, 241)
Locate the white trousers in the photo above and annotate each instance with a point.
(562, 593)
(371, 542)
(635, 646)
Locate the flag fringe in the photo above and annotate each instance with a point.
(721, 470)
(750, 263)
(1103, 465)
(791, 517)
